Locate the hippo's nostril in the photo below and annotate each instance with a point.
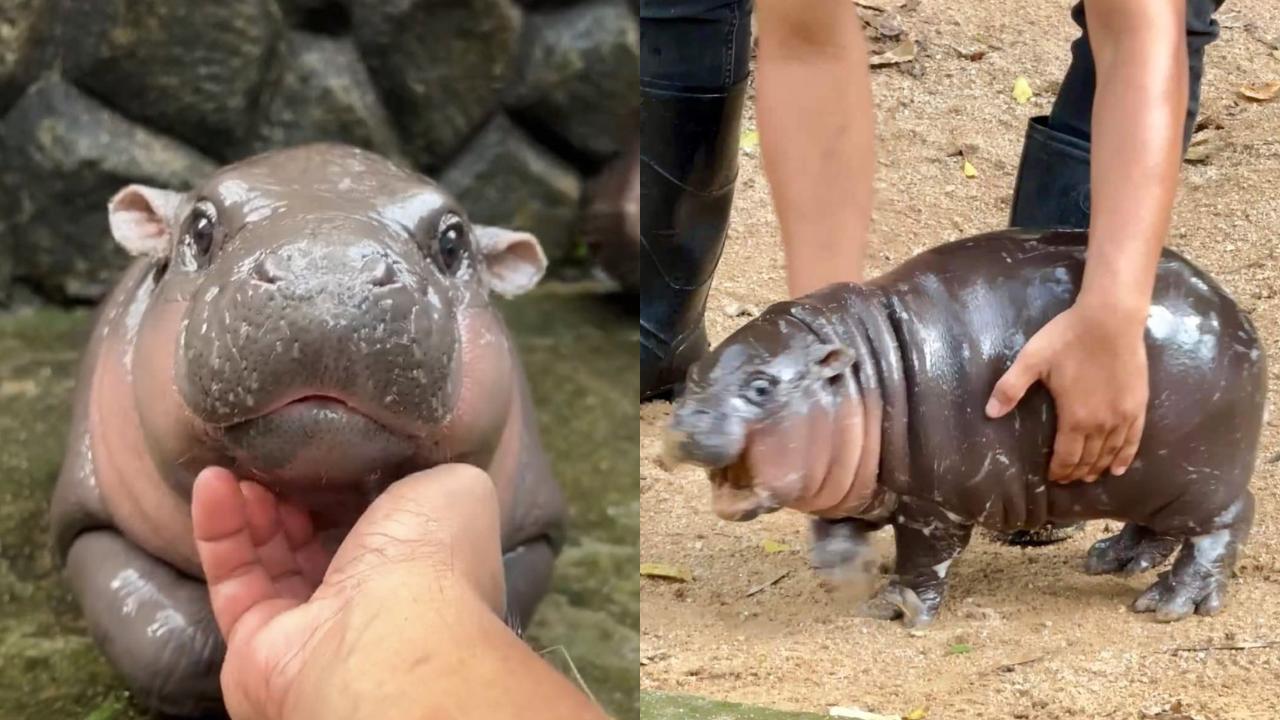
(378, 271)
(270, 270)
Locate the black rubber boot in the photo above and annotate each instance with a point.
(1052, 187)
(689, 153)
(1051, 191)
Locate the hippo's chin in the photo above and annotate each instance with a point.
(320, 450)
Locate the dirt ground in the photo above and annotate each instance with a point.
(796, 645)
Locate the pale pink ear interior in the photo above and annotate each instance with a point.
(142, 219)
(513, 260)
(831, 360)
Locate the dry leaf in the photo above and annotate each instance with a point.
(919, 713)
(1232, 20)
(908, 6)
(1261, 93)
(773, 546)
(904, 52)
(1208, 121)
(1201, 151)
(670, 572)
(851, 712)
(26, 388)
(1022, 90)
(969, 170)
(1276, 54)
(749, 139)
(870, 5)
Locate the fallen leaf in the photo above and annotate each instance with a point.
(919, 713)
(888, 25)
(767, 583)
(960, 649)
(1276, 54)
(749, 139)
(870, 5)
(773, 546)
(908, 6)
(1208, 121)
(1232, 20)
(1201, 150)
(26, 388)
(905, 51)
(1261, 93)
(1022, 90)
(670, 572)
(851, 712)
(969, 170)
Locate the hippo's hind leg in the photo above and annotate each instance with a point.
(154, 624)
(1135, 549)
(1198, 580)
(927, 540)
(527, 569)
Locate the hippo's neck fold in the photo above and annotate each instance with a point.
(861, 318)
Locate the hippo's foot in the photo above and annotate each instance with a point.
(153, 623)
(527, 571)
(927, 540)
(1198, 580)
(896, 602)
(1135, 549)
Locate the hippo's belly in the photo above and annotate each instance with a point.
(1207, 388)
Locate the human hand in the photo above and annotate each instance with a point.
(295, 620)
(1093, 360)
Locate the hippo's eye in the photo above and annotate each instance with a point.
(760, 388)
(201, 228)
(450, 242)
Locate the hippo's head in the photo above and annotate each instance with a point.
(319, 316)
(751, 408)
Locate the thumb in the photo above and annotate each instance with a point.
(441, 524)
(1024, 372)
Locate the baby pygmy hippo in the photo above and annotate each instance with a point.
(875, 394)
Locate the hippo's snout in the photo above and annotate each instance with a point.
(703, 437)
(374, 269)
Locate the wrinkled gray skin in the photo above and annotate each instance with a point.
(315, 319)
(926, 344)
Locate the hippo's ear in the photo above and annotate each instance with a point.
(513, 260)
(829, 361)
(141, 219)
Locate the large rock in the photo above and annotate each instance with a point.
(190, 69)
(440, 65)
(578, 76)
(25, 31)
(62, 156)
(321, 91)
(504, 178)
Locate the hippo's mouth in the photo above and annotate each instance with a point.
(321, 445)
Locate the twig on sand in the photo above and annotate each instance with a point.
(577, 675)
(1009, 666)
(767, 583)
(1226, 646)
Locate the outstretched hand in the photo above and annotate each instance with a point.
(1094, 363)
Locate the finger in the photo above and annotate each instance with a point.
(1088, 456)
(1020, 376)
(312, 558)
(264, 520)
(1067, 449)
(237, 580)
(1110, 448)
(1130, 448)
(276, 556)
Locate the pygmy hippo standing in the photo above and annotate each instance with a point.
(893, 375)
(318, 320)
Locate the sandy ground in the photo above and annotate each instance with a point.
(795, 644)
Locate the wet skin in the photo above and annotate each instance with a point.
(315, 319)
(864, 405)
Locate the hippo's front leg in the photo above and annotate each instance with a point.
(841, 547)
(153, 623)
(927, 540)
(527, 569)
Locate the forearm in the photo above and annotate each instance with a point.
(816, 121)
(1139, 109)
(411, 651)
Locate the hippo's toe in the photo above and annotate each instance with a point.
(1133, 550)
(1172, 599)
(898, 602)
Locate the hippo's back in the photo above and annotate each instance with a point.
(962, 311)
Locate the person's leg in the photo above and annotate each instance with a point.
(694, 60)
(1052, 187)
